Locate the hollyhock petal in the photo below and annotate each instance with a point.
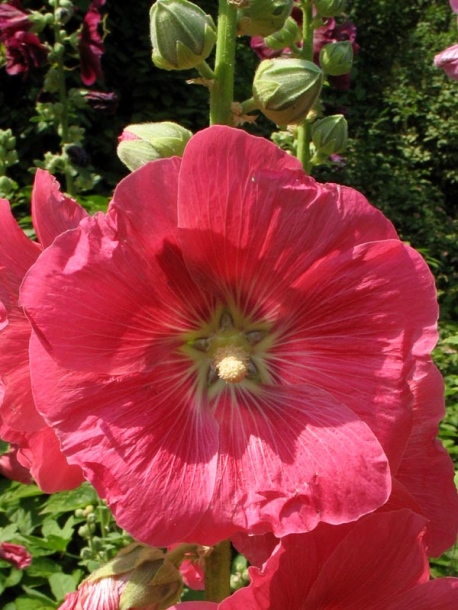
(47, 464)
(13, 18)
(3, 316)
(291, 485)
(341, 567)
(17, 253)
(448, 61)
(125, 295)
(52, 212)
(11, 468)
(163, 446)
(221, 242)
(441, 594)
(364, 315)
(426, 469)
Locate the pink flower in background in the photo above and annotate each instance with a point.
(90, 45)
(454, 6)
(13, 18)
(20, 423)
(448, 61)
(378, 563)
(225, 354)
(23, 52)
(15, 554)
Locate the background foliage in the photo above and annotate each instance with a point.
(403, 155)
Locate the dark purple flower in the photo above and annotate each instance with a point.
(100, 100)
(23, 51)
(90, 45)
(13, 18)
(15, 554)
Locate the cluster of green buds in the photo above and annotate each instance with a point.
(8, 154)
(182, 35)
(263, 17)
(8, 157)
(285, 89)
(144, 142)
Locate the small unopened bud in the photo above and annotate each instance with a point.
(336, 58)
(263, 17)
(285, 89)
(329, 135)
(329, 8)
(286, 37)
(182, 35)
(144, 142)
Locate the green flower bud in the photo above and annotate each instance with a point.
(145, 142)
(329, 135)
(285, 89)
(182, 35)
(336, 58)
(151, 580)
(286, 37)
(263, 17)
(329, 8)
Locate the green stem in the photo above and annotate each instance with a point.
(218, 572)
(304, 131)
(63, 98)
(222, 91)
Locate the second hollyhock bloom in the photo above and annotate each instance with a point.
(228, 348)
(35, 444)
(379, 563)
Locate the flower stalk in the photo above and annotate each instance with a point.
(62, 92)
(218, 572)
(304, 136)
(222, 91)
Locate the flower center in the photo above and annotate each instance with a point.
(231, 362)
(228, 350)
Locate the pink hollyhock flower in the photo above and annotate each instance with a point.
(23, 52)
(448, 61)
(454, 6)
(13, 17)
(11, 468)
(15, 554)
(90, 45)
(225, 354)
(377, 563)
(20, 423)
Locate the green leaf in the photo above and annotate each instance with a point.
(69, 501)
(61, 584)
